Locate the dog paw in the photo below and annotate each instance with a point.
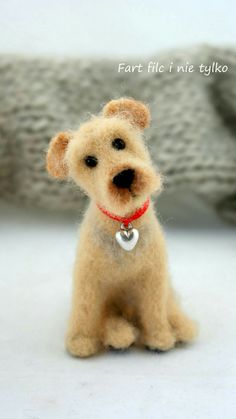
(119, 334)
(186, 331)
(82, 346)
(159, 342)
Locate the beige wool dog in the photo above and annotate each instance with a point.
(122, 294)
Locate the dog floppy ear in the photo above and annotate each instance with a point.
(56, 165)
(133, 110)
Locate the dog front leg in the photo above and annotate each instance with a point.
(156, 332)
(83, 336)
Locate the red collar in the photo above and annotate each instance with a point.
(126, 220)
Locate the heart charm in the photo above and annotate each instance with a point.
(127, 237)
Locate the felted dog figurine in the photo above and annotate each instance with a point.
(122, 292)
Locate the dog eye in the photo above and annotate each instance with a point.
(118, 144)
(91, 161)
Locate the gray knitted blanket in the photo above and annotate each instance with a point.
(192, 136)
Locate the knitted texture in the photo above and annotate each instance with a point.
(192, 137)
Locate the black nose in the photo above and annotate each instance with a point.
(124, 179)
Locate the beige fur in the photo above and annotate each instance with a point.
(119, 298)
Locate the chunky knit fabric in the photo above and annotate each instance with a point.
(192, 135)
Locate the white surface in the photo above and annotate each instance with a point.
(38, 379)
(110, 28)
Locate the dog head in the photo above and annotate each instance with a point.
(107, 157)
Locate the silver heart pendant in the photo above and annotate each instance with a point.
(127, 237)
